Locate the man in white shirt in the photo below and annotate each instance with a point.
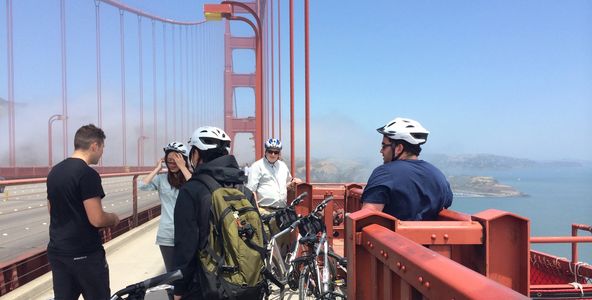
(270, 178)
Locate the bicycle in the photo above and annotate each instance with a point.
(318, 279)
(139, 290)
(281, 268)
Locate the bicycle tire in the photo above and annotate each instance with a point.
(307, 284)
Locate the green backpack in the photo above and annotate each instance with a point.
(233, 259)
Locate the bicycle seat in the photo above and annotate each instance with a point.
(309, 239)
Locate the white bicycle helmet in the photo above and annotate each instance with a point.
(405, 129)
(273, 144)
(209, 137)
(177, 147)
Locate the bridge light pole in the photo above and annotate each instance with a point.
(226, 10)
(141, 150)
(49, 136)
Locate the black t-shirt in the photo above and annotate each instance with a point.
(68, 184)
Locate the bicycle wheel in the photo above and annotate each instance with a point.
(307, 284)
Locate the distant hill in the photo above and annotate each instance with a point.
(489, 161)
(331, 170)
(474, 184)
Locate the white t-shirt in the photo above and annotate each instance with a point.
(269, 182)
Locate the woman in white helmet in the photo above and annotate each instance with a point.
(405, 186)
(168, 185)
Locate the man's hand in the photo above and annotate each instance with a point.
(294, 182)
(115, 220)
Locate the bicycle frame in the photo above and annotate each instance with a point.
(284, 267)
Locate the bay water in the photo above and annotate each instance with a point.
(557, 197)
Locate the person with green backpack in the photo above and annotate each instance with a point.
(219, 236)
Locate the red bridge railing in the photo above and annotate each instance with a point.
(393, 259)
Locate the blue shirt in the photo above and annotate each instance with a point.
(409, 189)
(168, 198)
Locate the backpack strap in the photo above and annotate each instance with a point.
(267, 274)
(211, 183)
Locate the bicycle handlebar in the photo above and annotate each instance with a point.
(322, 205)
(298, 199)
(149, 283)
(267, 217)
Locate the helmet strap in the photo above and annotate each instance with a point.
(393, 148)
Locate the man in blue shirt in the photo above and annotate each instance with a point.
(406, 187)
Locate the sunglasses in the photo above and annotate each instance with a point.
(386, 145)
(273, 152)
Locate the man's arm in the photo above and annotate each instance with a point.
(97, 217)
(373, 206)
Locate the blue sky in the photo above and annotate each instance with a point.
(502, 77)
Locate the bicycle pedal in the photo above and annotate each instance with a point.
(340, 282)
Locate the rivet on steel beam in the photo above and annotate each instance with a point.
(420, 279)
(446, 236)
(385, 255)
(427, 284)
(403, 268)
(399, 264)
(433, 236)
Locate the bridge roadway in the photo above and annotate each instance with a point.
(132, 257)
(25, 219)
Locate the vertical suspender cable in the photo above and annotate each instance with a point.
(154, 106)
(279, 70)
(272, 75)
(181, 99)
(208, 79)
(122, 50)
(193, 89)
(201, 77)
(141, 86)
(306, 90)
(174, 87)
(98, 51)
(166, 98)
(10, 75)
(264, 65)
(187, 93)
(64, 77)
(292, 135)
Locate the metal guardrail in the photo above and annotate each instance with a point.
(385, 262)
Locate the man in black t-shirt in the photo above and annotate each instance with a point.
(74, 194)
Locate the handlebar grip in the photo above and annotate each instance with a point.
(322, 205)
(299, 199)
